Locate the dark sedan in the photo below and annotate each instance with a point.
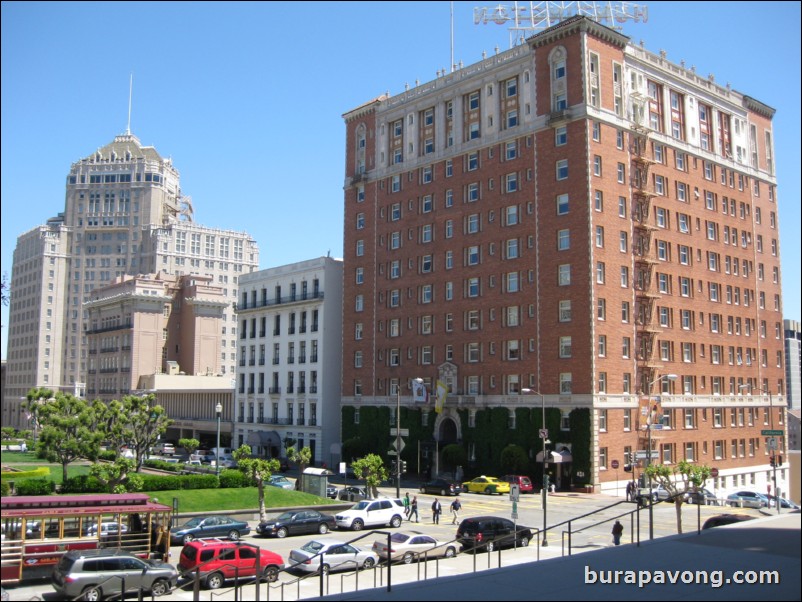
(441, 487)
(353, 494)
(209, 526)
(297, 523)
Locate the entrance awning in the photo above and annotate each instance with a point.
(554, 457)
(265, 439)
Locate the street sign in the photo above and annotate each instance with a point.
(515, 493)
(772, 443)
(614, 464)
(657, 427)
(514, 511)
(544, 433)
(643, 454)
(771, 433)
(714, 472)
(391, 452)
(404, 432)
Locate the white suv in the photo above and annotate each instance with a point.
(371, 513)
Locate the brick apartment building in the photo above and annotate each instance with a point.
(575, 228)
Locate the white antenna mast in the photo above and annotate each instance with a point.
(130, 95)
(452, 37)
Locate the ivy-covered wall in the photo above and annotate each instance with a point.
(490, 434)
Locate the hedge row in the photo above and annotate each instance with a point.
(35, 487)
(228, 479)
(162, 465)
(42, 471)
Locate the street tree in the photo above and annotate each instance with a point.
(679, 480)
(9, 432)
(303, 459)
(257, 469)
(514, 459)
(66, 427)
(190, 444)
(371, 468)
(137, 422)
(118, 476)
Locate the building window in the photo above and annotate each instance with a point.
(562, 169)
(562, 204)
(563, 240)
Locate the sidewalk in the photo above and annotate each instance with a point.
(703, 567)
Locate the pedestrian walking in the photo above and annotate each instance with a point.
(618, 531)
(456, 506)
(406, 505)
(413, 509)
(437, 509)
(629, 491)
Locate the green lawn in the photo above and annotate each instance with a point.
(245, 498)
(189, 500)
(29, 461)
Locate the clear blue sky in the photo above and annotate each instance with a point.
(247, 99)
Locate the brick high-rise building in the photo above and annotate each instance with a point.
(580, 218)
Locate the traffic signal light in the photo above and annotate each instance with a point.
(772, 462)
(627, 467)
(403, 466)
(779, 461)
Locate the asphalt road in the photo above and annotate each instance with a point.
(561, 507)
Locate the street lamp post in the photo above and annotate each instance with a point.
(219, 409)
(398, 437)
(649, 419)
(544, 435)
(773, 451)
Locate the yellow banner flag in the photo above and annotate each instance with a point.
(442, 391)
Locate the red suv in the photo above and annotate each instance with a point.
(524, 483)
(218, 560)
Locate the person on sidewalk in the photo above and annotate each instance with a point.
(413, 509)
(437, 509)
(618, 531)
(456, 506)
(406, 505)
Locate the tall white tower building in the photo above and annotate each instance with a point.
(125, 213)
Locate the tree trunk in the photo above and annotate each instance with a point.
(678, 508)
(262, 510)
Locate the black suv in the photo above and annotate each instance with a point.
(491, 532)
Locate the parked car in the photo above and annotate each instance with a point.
(331, 492)
(725, 519)
(487, 485)
(297, 522)
(353, 494)
(441, 487)
(524, 483)
(371, 513)
(209, 526)
(701, 496)
(490, 532)
(337, 556)
(413, 545)
(163, 449)
(784, 503)
(219, 560)
(281, 481)
(106, 529)
(748, 499)
(91, 574)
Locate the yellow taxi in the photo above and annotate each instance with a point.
(486, 485)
